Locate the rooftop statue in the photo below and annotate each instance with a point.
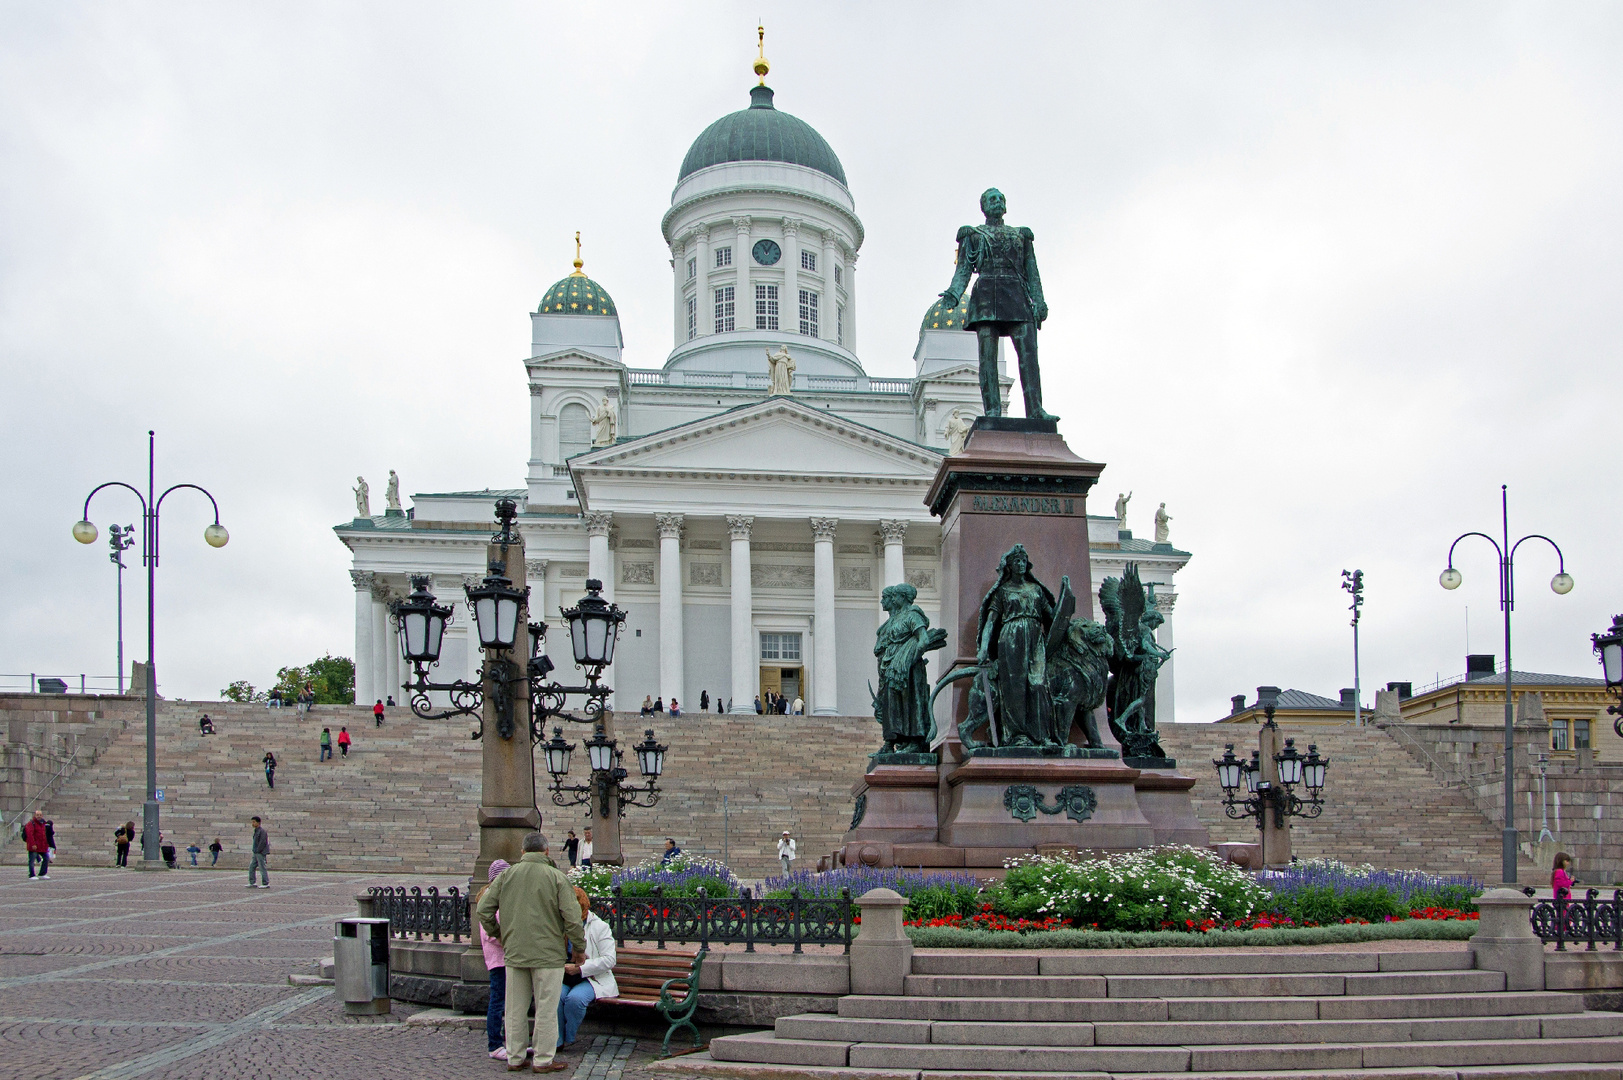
(363, 498)
(782, 367)
(1007, 301)
(957, 432)
(391, 493)
(603, 423)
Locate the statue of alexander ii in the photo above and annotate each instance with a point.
(1007, 301)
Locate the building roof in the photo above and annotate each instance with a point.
(761, 133)
(576, 294)
(1531, 678)
(1301, 699)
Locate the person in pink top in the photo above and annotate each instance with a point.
(1560, 880)
(496, 965)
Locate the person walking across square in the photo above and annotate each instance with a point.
(261, 856)
(326, 743)
(38, 840)
(538, 918)
(122, 839)
(343, 741)
(214, 850)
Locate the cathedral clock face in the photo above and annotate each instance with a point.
(766, 252)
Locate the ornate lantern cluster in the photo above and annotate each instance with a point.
(497, 606)
(607, 773)
(1609, 647)
(1234, 773)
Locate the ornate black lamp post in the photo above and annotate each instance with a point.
(1561, 584)
(594, 628)
(120, 540)
(1263, 794)
(214, 535)
(1609, 647)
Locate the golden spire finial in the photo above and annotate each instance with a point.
(761, 65)
(578, 263)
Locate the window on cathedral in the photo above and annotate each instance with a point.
(766, 307)
(808, 260)
(574, 431)
(808, 313)
(839, 276)
(693, 317)
(1558, 735)
(1580, 734)
(780, 646)
(839, 324)
(724, 256)
(693, 268)
(724, 310)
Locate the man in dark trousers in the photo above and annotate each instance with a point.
(377, 712)
(37, 836)
(261, 855)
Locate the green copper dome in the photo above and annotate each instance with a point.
(761, 133)
(942, 317)
(576, 294)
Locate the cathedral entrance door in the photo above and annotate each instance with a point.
(771, 679)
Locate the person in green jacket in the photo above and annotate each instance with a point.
(326, 743)
(540, 917)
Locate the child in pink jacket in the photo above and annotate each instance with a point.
(496, 965)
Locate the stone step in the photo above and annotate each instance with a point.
(1188, 962)
(1025, 986)
(1304, 985)
(1002, 1010)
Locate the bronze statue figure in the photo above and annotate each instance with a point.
(902, 705)
(1079, 655)
(1012, 645)
(1132, 620)
(1007, 301)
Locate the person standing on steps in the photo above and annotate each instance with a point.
(377, 712)
(261, 856)
(572, 849)
(531, 909)
(38, 840)
(326, 743)
(704, 701)
(270, 769)
(671, 851)
(786, 851)
(343, 741)
(586, 848)
(214, 850)
(121, 844)
(389, 701)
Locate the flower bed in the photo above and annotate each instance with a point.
(684, 875)
(950, 937)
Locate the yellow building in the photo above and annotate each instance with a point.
(1574, 707)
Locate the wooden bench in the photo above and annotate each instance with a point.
(666, 980)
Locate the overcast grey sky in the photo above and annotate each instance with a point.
(1323, 276)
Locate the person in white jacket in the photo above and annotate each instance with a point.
(596, 973)
(786, 851)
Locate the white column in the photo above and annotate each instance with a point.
(364, 661)
(395, 678)
(707, 303)
(535, 576)
(1164, 705)
(383, 644)
(791, 277)
(827, 330)
(894, 534)
(679, 276)
(851, 302)
(825, 681)
(670, 607)
(744, 657)
(741, 264)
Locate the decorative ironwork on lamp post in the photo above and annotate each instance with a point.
(1262, 795)
(215, 536)
(594, 628)
(1353, 582)
(120, 540)
(1561, 584)
(1609, 647)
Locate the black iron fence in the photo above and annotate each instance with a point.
(1590, 920)
(746, 920)
(416, 913)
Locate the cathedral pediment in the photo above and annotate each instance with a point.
(574, 359)
(779, 442)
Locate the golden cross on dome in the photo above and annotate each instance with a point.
(578, 263)
(761, 65)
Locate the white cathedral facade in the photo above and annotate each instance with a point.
(748, 534)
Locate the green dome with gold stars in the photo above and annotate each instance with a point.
(576, 294)
(942, 317)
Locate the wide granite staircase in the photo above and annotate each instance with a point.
(1242, 1014)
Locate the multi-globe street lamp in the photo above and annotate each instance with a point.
(1561, 584)
(1609, 647)
(215, 536)
(1263, 795)
(594, 628)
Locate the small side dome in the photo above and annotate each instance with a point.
(942, 317)
(576, 294)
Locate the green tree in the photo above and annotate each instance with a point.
(242, 691)
(331, 677)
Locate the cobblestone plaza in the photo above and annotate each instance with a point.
(114, 975)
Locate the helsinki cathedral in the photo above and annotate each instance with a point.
(746, 500)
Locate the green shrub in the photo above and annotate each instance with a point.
(940, 902)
